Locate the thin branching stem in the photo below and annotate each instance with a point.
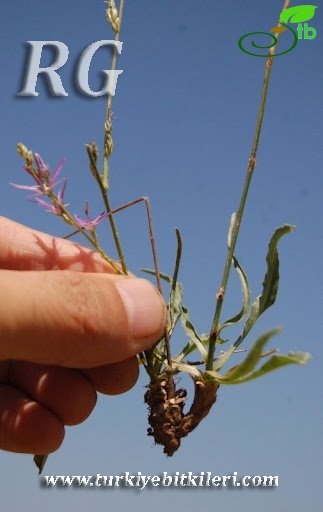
(108, 120)
(104, 194)
(237, 223)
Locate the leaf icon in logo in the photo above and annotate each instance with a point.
(298, 14)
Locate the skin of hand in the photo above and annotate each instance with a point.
(69, 328)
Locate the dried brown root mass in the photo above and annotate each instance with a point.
(168, 423)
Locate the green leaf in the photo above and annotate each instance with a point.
(175, 306)
(270, 283)
(244, 372)
(245, 295)
(252, 358)
(298, 14)
(275, 362)
(176, 293)
(192, 334)
(247, 365)
(166, 277)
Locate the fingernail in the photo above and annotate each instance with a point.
(145, 307)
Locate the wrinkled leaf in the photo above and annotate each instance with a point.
(298, 14)
(270, 283)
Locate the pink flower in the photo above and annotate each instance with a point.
(44, 181)
(89, 224)
(54, 208)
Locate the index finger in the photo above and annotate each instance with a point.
(73, 319)
(23, 248)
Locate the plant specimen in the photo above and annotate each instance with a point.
(167, 419)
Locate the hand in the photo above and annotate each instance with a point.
(69, 327)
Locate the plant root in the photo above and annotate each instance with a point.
(168, 423)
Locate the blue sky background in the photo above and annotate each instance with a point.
(185, 108)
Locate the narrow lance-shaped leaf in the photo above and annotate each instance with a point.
(166, 277)
(244, 371)
(252, 358)
(249, 363)
(175, 306)
(270, 283)
(274, 363)
(176, 293)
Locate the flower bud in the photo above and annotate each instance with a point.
(25, 153)
(113, 16)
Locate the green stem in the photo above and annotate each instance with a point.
(105, 198)
(115, 233)
(104, 180)
(236, 227)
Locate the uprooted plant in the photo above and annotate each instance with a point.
(168, 421)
